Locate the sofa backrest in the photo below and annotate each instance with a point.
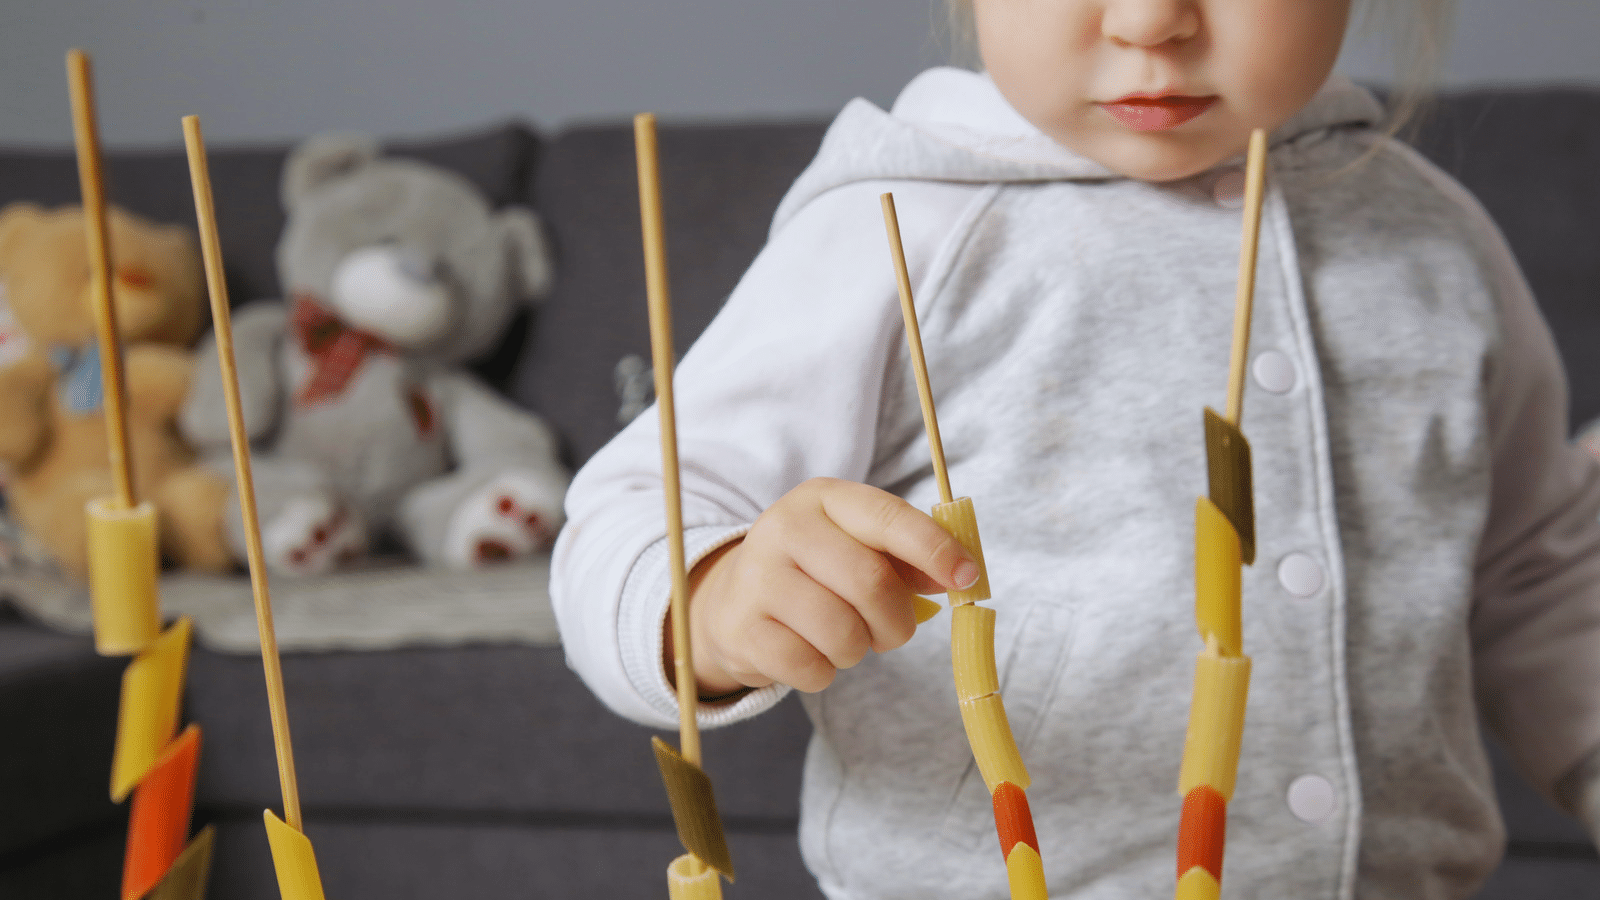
(720, 185)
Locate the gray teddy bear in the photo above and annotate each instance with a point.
(365, 425)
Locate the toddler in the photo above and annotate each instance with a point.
(1427, 545)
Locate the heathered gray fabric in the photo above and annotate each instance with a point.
(1075, 324)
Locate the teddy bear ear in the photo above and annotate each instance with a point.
(530, 251)
(321, 159)
(14, 222)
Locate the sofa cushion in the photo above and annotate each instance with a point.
(478, 732)
(58, 717)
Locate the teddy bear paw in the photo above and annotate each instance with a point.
(313, 536)
(514, 515)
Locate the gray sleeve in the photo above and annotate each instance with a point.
(1536, 621)
(782, 386)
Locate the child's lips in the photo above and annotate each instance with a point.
(1143, 113)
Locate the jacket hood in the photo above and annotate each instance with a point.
(951, 124)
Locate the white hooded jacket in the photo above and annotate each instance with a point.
(1427, 541)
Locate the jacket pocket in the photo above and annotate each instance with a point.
(1030, 653)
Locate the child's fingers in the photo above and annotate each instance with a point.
(778, 654)
(889, 524)
(828, 623)
(868, 595)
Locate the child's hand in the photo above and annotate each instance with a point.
(825, 574)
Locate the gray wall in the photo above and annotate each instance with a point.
(270, 70)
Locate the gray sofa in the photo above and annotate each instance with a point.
(489, 771)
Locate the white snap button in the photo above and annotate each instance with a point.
(1273, 371)
(1311, 798)
(1300, 575)
(1229, 189)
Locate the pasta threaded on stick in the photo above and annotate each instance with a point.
(1225, 539)
(150, 760)
(292, 855)
(983, 713)
(694, 807)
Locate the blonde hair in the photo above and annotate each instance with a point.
(1418, 35)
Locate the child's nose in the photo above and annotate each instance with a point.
(1149, 23)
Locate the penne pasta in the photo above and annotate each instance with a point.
(972, 651)
(993, 746)
(1216, 723)
(1216, 578)
(958, 518)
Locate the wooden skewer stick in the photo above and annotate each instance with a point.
(211, 250)
(1254, 180)
(86, 136)
(919, 364)
(659, 293)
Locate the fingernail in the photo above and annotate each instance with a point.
(965, 574)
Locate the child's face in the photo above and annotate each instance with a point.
(1158, 89)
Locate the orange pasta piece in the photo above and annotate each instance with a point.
(158, 820)
(1202, 831)
(1013, 820)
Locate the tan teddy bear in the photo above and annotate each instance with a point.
(52, 423)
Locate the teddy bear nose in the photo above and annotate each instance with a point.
(416, 265)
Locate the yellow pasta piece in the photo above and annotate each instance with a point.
(1197, 884)
(152, 691)
(1216, 577)
(958, 518)
(294, 861)
(1229, 479)
(1216, 723)
(972, 651)
(694, 808)
(992, 743)
(1025, 872)
(924, 608)
(681, 885)
(186, 880)
(124, 563)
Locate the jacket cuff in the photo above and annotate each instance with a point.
(641, 618)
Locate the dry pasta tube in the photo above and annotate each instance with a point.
(124, 563)
(1216, 578)
(158, 819)
(1025, 872)
(972, 651)
(1197, 884)
(294, 861)
(186, 880)
(1216, 723)
(683, 886)
(1203, 831)
(694, 808)
(992, 744)
(147, 719)
(958, 518)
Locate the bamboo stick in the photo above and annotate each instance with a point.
(1254, 182)
(919, 365)
(660, 299)
(211, 250)
(86, 137)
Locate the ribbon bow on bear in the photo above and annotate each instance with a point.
(336, 349)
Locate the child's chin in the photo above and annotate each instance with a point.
(1155, 156)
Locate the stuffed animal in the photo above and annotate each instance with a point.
(365, 423)
(52, 424)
